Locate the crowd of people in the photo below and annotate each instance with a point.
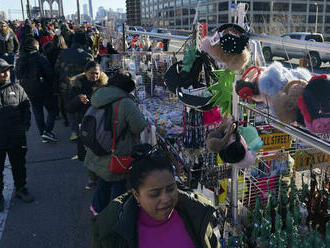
(53, 65)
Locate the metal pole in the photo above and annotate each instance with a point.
(22, 5)
(234, 193)
(317, 13)
(124, 38)
(291, 130)
(78, 11)
(28, 10)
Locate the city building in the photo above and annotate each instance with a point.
(115, 18)
(133, 10)
(85, 9)
(101, 13)
(271, 17)
(3, 15)
(90, 9)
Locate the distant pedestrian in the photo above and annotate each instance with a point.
(9, 45)
(15, 119)
(71, 62)
(36, 76)
(82, 88)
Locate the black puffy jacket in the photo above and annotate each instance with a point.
(15, 115)
(35, 74)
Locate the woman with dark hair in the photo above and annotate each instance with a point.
(82, 88)
(130, 122)
(155, 213)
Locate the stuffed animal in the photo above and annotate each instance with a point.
(230, 145)
(285, 102)
(306, 103)
(228, 45)
(314, 104)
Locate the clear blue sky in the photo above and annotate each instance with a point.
(69, 6)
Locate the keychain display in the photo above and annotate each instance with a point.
(194, 130)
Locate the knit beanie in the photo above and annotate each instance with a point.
(122, 80)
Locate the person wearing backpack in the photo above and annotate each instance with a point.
(130, 122)
(83, 86)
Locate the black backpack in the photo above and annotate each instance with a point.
(95, 131)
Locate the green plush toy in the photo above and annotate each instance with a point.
(189, 58)
(222, 90)
(251, 137)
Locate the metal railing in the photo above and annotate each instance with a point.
(157, 35)
(308, 45)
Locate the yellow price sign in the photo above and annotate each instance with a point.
(314, 158)
(275, 141)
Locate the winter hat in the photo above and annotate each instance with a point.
(233, 61)
(285, 102)
(233, 38)
(122, 80)
(30, 44)
(4, 66)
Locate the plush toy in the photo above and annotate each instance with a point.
(230, 145)
(252, 138)
(285, 102)
(314, 104)
(228, 45)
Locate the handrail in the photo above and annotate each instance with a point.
(163, 36)
(302, 44)
(291, 130)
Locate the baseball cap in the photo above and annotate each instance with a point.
(4, 66)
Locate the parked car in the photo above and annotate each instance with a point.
(286, 52)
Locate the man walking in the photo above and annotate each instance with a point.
(35, 75)
(15, 119)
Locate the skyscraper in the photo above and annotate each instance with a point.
(85, 9)
(90, 9)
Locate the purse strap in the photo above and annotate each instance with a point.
(114, 128)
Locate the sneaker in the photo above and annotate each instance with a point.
(91, 184)
(43, 140)
(2, 203)
(49, 136)
(24, 195)
(73, 136)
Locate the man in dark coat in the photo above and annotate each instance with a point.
(71, 62)
(15, 119)
(35, 75)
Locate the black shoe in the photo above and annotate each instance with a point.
(2, 203)
(24, 195)
(49, 136)
(91, 184)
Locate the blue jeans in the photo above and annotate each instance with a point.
(50, 103)
(107, 191)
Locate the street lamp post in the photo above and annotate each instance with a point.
(78, 11)
(22, 5)
(316, 17)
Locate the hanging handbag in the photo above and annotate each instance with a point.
(118, 164)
